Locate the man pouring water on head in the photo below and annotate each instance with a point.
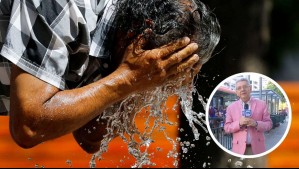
(66, 61)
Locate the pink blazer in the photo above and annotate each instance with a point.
(260, 114)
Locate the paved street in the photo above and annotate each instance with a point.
(275, 135)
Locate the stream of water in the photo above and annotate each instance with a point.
(120, 118)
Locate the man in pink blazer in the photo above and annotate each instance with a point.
(248, 130)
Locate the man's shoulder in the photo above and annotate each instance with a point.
(233, 104)
(258, 101)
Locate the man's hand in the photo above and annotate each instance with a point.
(251, 123)
(144, 69)
(243, 121)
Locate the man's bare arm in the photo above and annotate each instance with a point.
(40, 111)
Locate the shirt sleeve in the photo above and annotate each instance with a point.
(41, 36)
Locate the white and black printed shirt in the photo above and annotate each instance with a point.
(54, 40)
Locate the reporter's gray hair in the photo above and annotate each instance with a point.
(243, 79)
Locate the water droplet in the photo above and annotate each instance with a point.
(185, 150)
(148, 142)
(238, 164)
(175, 164)
(69, 163)
(149, 77)
(187, 143)
(162, 128)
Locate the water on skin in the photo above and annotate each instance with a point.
(119, 119)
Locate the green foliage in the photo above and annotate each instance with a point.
(277, 90)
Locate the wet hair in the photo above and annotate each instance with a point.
(169, 20)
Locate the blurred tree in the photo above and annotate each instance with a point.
(277, 90)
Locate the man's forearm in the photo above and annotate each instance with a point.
(53, 113)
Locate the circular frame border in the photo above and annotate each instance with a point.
(277, 144)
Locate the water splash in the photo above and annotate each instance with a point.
(120, 122)
(37, 166)
(69, 163)
(92, 163)
(238, 164)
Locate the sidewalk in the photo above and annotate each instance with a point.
(275, 135)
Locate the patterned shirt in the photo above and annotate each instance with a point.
(64, 43)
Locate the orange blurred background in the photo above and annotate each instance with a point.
(64, 152)
(286, 155)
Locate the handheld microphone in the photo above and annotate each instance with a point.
(246, 111)
(246, 106)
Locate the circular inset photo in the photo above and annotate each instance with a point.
(248, 115)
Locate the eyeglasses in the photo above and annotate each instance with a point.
(239, 88)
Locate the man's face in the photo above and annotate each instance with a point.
(243, 90)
